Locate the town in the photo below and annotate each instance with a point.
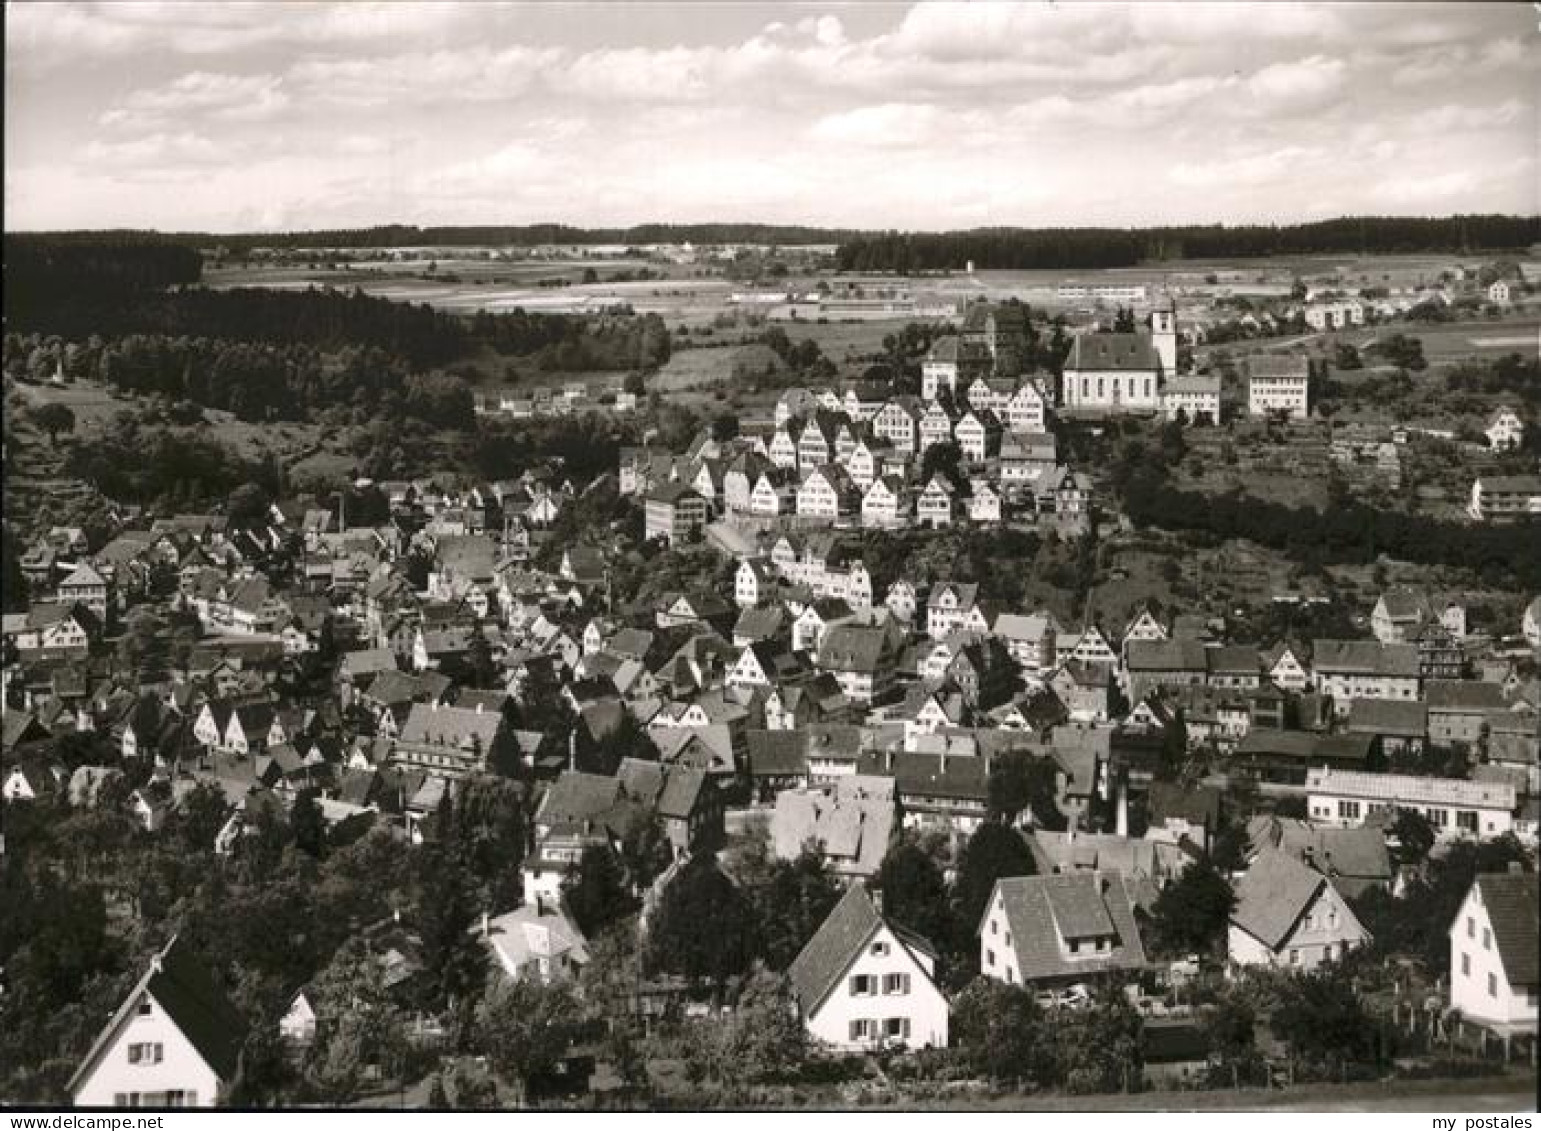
(515, 740)
(896, 557)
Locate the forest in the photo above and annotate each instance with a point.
(1055, 248)
(1349, 531)
(123, 313)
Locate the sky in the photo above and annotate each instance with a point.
(285, 116)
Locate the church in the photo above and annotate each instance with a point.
(1113, 373)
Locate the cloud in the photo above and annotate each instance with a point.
(1276, 165)
(891, 124)
(156, 151)
(241, 98)
(1302, 82)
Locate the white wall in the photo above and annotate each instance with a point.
(1471, 937)
(924, 1005)
(180, 1068)
(1311, 939)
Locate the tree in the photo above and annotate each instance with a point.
(595, 890)
(1321, 1016)
(307, 823)
(915, 892)
(1018, 780)
(943, 459)
(678, 939)
(766, 1040)
(1191, 913)
(53, 418)
(454, 961)
(994, 851)
(1413, 836)
(646, 850)
(793, 904)
(479, 662)
(248, 507)
(724, 426)
(358, 1024)
(199, 816)
(999, 1033)
(526, 1027)
(1123, 321)
(1099, 1049)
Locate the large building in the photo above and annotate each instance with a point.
(1500, 497)
(1455, 808)
(1114, 373)
(673, 511)
(1279, 385)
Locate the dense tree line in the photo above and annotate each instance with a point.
(1037, 248)
(1350, 532)
(42, 272)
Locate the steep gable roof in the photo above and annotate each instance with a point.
(1511, 904)
(183, 987)
(1043, 911)
(1275, 892)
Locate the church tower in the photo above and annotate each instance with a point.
(1163, 332)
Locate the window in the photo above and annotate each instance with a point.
(863, 1029)
(1332, 917)
(880, 949)
(1294, 957)
(1492, 985)
(863, 985)
(896, 983)
(1471, 927)
(1466, 966)
(1466, 819)
(994, 926)
(896, 1027)
(146, 1053)
(1487, 939)
(989, 958)
(179, 1098)
(1075, 946)
(144, 1007)
(1348, 810)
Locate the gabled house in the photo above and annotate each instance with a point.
(1289, 915)
(1050, 931)
(863, 982)
(1493, 953)
(175, 1041)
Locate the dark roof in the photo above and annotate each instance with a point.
(1511, 904)
(1199, 805)
(1273, 895)
(183, 986)
(1166, 655)
(1042, 910)
(819, 966)
(1134, 352)
(1388, 717)
(1464, 695)
(777, 753)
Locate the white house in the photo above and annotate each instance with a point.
(1196, 396)
(1288, 914)
(538, 940)
(1456, 808)
(174, 1042)
(1500, 292)
(1493, 975)
(1505, 430)
(865, 983)
(1278, 385)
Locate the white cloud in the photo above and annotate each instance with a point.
(231, 97)
(159, 150)
(1300, 82)
(891, 124)
(1276, 165)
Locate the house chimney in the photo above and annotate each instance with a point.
(1122, 819)
(486, 925)
(572, 749)
(1070, 827)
